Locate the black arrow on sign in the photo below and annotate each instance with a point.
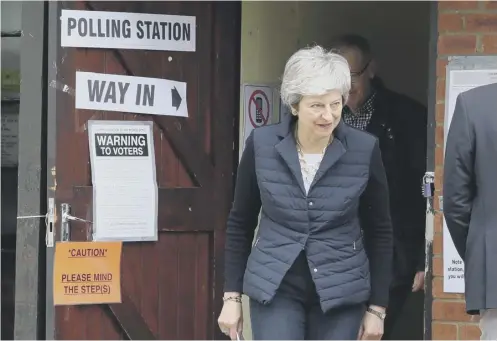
(175, 98)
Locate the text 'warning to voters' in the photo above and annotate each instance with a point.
(121, 144)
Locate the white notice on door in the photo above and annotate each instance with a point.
(119, 30)
(125, 193)
(154, 96)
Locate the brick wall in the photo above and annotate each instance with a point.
(464, 28)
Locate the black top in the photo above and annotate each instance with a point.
(400, 123)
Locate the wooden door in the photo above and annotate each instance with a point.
(171, 288)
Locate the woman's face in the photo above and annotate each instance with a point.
(319, 115)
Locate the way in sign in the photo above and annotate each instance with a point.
(97, 91)
(115, 93)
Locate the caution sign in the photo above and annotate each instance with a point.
(87, 273)
(258, 108)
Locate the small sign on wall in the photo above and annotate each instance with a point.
(257, 109)
(119, 30)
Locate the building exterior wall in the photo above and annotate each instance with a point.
(464, 28)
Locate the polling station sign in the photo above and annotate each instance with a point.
(121, 30)
(87, 273)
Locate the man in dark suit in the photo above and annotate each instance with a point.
(400, 123)
(470, 199)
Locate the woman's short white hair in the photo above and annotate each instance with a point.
(314, 71)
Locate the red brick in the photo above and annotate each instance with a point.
(441, 67)
(444, 331)
(438, 288)
(457, 5)
(440, 111)
(490, 4)
(469, 332)
(437, 244)
(456, 44)
(489, 44)
(439, 135)
(438, 223)
(440, 95)
(438, 266)
(439, 155)
(438, 185)
(450, 311)
(436, 206)
(481, 22)
(450, 22)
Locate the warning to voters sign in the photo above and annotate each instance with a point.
(119, 30)
(87, 273)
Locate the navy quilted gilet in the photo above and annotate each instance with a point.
(325, 222)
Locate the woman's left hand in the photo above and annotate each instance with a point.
(371, 327)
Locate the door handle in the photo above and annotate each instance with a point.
(65, 227)
(65, 232)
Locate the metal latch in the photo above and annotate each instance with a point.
(49, 238)
(428, 190)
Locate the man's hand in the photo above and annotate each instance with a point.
(419, 281)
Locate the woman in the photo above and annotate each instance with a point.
(316, 182)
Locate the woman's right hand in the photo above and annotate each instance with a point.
(230, 320)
